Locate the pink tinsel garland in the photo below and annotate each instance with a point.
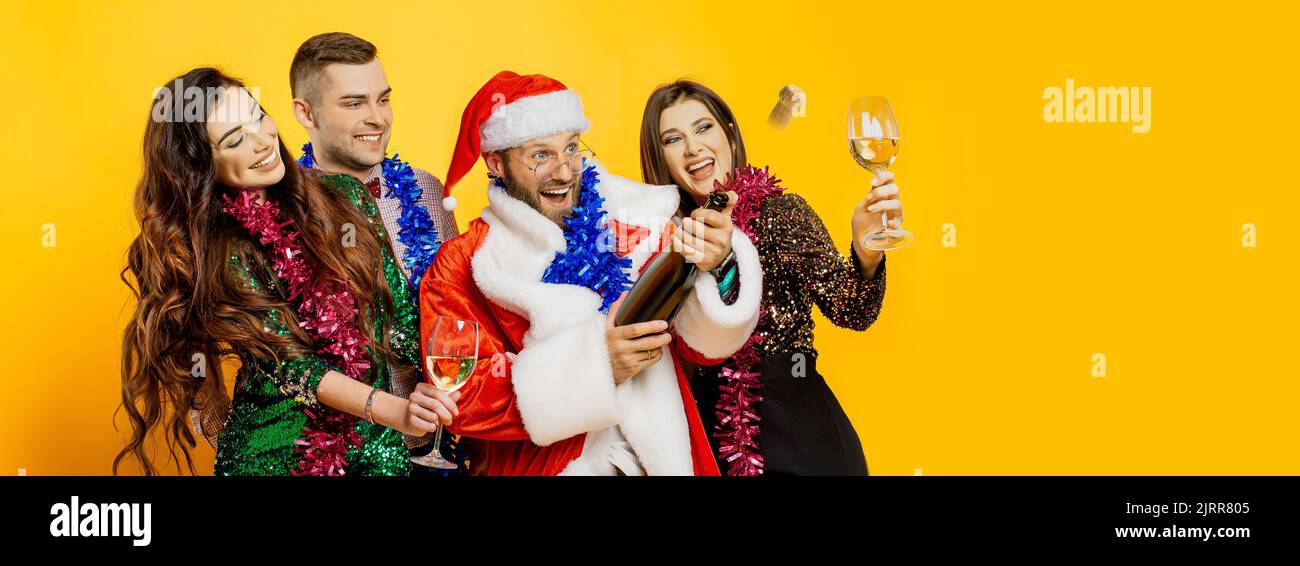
(328, 313)
(738, 427)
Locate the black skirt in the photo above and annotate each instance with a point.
(803, 430)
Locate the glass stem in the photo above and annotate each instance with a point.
(437, 441)
(884, 216)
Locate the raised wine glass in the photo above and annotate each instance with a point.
(449, 360)
(873, 142)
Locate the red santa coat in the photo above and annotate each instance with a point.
(554, 409)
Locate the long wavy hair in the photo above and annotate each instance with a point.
(189, 304)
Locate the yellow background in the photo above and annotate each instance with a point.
(1073, 239)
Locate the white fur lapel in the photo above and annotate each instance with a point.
(637, 204)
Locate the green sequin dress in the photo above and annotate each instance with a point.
(266, 415)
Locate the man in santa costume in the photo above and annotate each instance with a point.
(559, 389)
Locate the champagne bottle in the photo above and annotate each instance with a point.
(664, 283)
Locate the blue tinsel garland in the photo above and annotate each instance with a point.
(415, 227)
(589, 258)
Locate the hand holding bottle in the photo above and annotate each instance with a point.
(633, 347)
(705, 237)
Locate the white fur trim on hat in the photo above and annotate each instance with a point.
(532, 117)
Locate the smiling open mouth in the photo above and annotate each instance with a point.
(701, 170)
(557, 196)
(368, 138)
(270, 160)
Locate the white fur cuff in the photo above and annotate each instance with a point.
(712, 328)
(564, 385)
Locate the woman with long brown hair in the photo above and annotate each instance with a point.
(690, 138)
(242, 257)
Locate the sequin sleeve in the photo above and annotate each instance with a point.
(807, 251)
(295, 376)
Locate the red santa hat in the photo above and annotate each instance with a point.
(508, 111)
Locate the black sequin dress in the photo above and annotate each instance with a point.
(803, 429)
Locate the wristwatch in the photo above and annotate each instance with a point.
(727, 263)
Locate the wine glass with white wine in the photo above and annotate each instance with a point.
(448, 362)
(873, 142)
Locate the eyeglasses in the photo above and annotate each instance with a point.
(545, 168)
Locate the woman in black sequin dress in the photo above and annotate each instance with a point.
(690, 138)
